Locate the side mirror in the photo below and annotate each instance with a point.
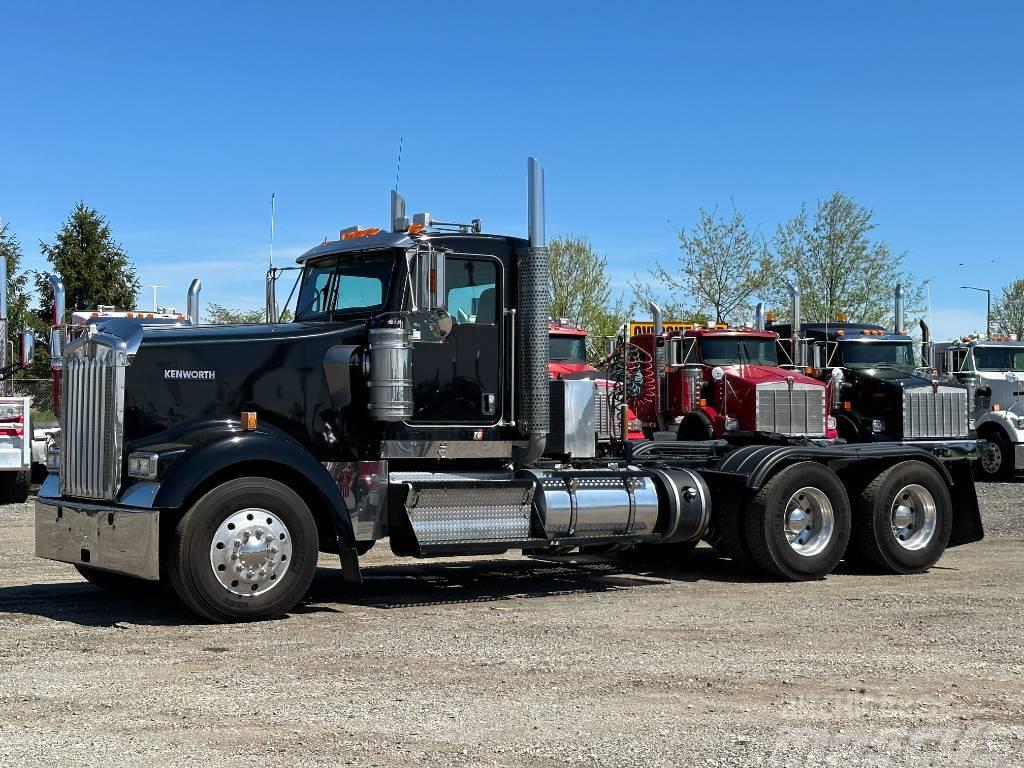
(28, 347)
(817, 356)
(674, 351)
(717, 373)
(429, 279)
(56, 349)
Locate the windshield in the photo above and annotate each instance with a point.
(878, 354)
(999, 358)
(569, 349)
(737, 350)
(348, 283)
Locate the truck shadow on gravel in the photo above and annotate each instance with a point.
(392, 586)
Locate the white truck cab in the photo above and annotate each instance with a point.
(993, 371)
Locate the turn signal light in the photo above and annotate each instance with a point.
(352, 234)
(248, 421)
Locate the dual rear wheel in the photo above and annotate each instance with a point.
(801, 523)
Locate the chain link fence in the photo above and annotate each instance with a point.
(41, 392)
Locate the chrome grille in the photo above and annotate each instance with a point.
(92, 404)
(940, 413)
(798, 411)
(602, 413)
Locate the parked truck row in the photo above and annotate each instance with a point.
(412, 400)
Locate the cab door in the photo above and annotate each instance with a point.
(456, 381)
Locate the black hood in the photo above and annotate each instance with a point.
(187, 375)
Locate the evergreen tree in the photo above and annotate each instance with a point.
(94, 268)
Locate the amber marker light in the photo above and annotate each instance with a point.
(248, 421)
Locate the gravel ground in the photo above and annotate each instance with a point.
(524, 663)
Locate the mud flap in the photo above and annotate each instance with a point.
(967, 525)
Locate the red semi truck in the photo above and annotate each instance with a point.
(721, 380)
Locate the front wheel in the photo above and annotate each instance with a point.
(798, 525)
(995, 457)
(903, 519)
(247, 551)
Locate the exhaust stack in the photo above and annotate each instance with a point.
(798, 356)
(399, 221)
(759, 317)
(927, 351)
(898, 309)
(532, 317)
(659, 361)
(192, 302)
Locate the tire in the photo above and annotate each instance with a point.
(15, 486)
(39, 473)
(995, 457)
(798, 525)
(727, 534)
(117, 583)
(695, 426)
(252, 523)
(909, 492)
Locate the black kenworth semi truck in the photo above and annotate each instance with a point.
(879, 394)
(410, 400)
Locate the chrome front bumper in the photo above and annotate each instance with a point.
(107, 537)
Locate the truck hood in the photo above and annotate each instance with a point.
(765, 374)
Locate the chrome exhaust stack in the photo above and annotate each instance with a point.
(797, 344)
(532, 316)
(898, 309)
(192, 302)
(659, 361)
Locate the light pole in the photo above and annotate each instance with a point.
(154, 287)
(988, 308)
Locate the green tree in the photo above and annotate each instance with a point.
(723, 265)
(1008, 311)
(839, 267)
(94, 268)
(217, 314)
(581, 291)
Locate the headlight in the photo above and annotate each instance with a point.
(972, 424)
(732, 423)
(143, 466)
(877, 425)
(830, 422)
(635, 425)
(1020, 422)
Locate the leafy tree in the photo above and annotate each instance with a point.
(724, 263)
(581, 291)
(17, 298)
(217, 314)
(1008, 311)
(838, 267)
(94, 268)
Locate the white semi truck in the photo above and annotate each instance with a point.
(15, 410)
(993, 371)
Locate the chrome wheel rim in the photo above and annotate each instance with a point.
(913, 517)
(991, 457)
(809, 521)
(251, 552)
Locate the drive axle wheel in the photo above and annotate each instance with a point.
(903, 519)
(798, 525)
(247, 550)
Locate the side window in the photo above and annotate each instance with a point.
(472, 286)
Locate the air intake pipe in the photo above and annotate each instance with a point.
(759, 317)
(797, 345)
(192, 302)
(898, 309)
(532, 314)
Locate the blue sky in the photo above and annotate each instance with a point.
(178, 120)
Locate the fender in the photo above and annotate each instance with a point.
(700, 419)
(847, 420)
(214, 450)
(1005, 420)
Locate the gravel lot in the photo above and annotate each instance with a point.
(526, 663)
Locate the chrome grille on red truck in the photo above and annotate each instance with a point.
(92, 405)
(797, 410)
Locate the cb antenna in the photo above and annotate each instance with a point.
(398, 169)
(271, 230)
